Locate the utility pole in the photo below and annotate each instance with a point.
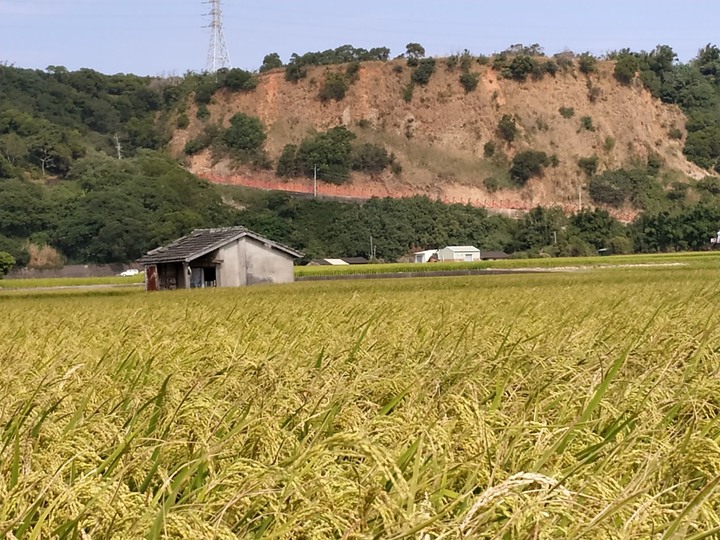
(372, 249)
(118, 146)
(579, 196)
(218, 56)
(315, 181)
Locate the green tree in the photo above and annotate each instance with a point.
(330, 152)
(271, 61)
(288, 165)
(596, 227)
(414, 52)
(245, 136)
(7, 261)
(527, 164)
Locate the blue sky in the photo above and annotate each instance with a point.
(162, 37)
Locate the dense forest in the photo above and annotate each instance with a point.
(85, 177)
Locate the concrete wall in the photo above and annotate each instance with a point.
(231, 272)
(248, 262)
(266, 265)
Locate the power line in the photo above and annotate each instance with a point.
(218, 56)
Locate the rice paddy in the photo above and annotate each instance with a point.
(579, 405)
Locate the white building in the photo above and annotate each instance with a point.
(459, 254)
(425, 256)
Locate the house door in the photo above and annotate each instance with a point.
(151, 278)
(203, 277)
(468, 257)
(196, 278)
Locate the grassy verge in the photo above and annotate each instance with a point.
(69, 282)
(695, 259)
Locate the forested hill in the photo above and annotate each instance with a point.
(93, 167)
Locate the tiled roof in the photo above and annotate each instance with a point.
(203, 241)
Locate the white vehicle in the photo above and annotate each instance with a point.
(130, 272)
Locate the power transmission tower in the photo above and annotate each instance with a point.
(218, 56)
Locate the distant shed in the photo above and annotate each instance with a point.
(487, 255)
(459, 254)
(222, 257)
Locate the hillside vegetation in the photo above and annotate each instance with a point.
(516, 125)
(92, 165)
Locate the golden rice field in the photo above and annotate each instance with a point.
(581, 405)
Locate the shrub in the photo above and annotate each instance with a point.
(554, 160)
(408, 92)
(424, 70)
(204, 92)
(352, 71)
(271, 61)
(586, 122)
(203, 113)
(334, 86)
(489, 149)
(469, 81)
(675, 133)
(654, 163)
(397, 68)
(527, 164)
(288, 165)
(587, 63)
(519, 68)
(182, 121)
(551, 67)
(594, 92)
(330, 152)
(620, 245)
(238, 79)
(246, 134)
(294, 72)
(625, 69)
(7, 261)
(396, 168)
(369, 158)
(567, 112)
(193, 146)
(614, 188)
(483, 60)
(507, 128)
(609, 144)
(491, 184)
(588, 165)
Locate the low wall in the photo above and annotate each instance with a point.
(70, 271)
(509, 207)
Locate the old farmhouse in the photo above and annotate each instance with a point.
(226, 257)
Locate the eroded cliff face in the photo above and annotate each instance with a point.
(439, 136)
